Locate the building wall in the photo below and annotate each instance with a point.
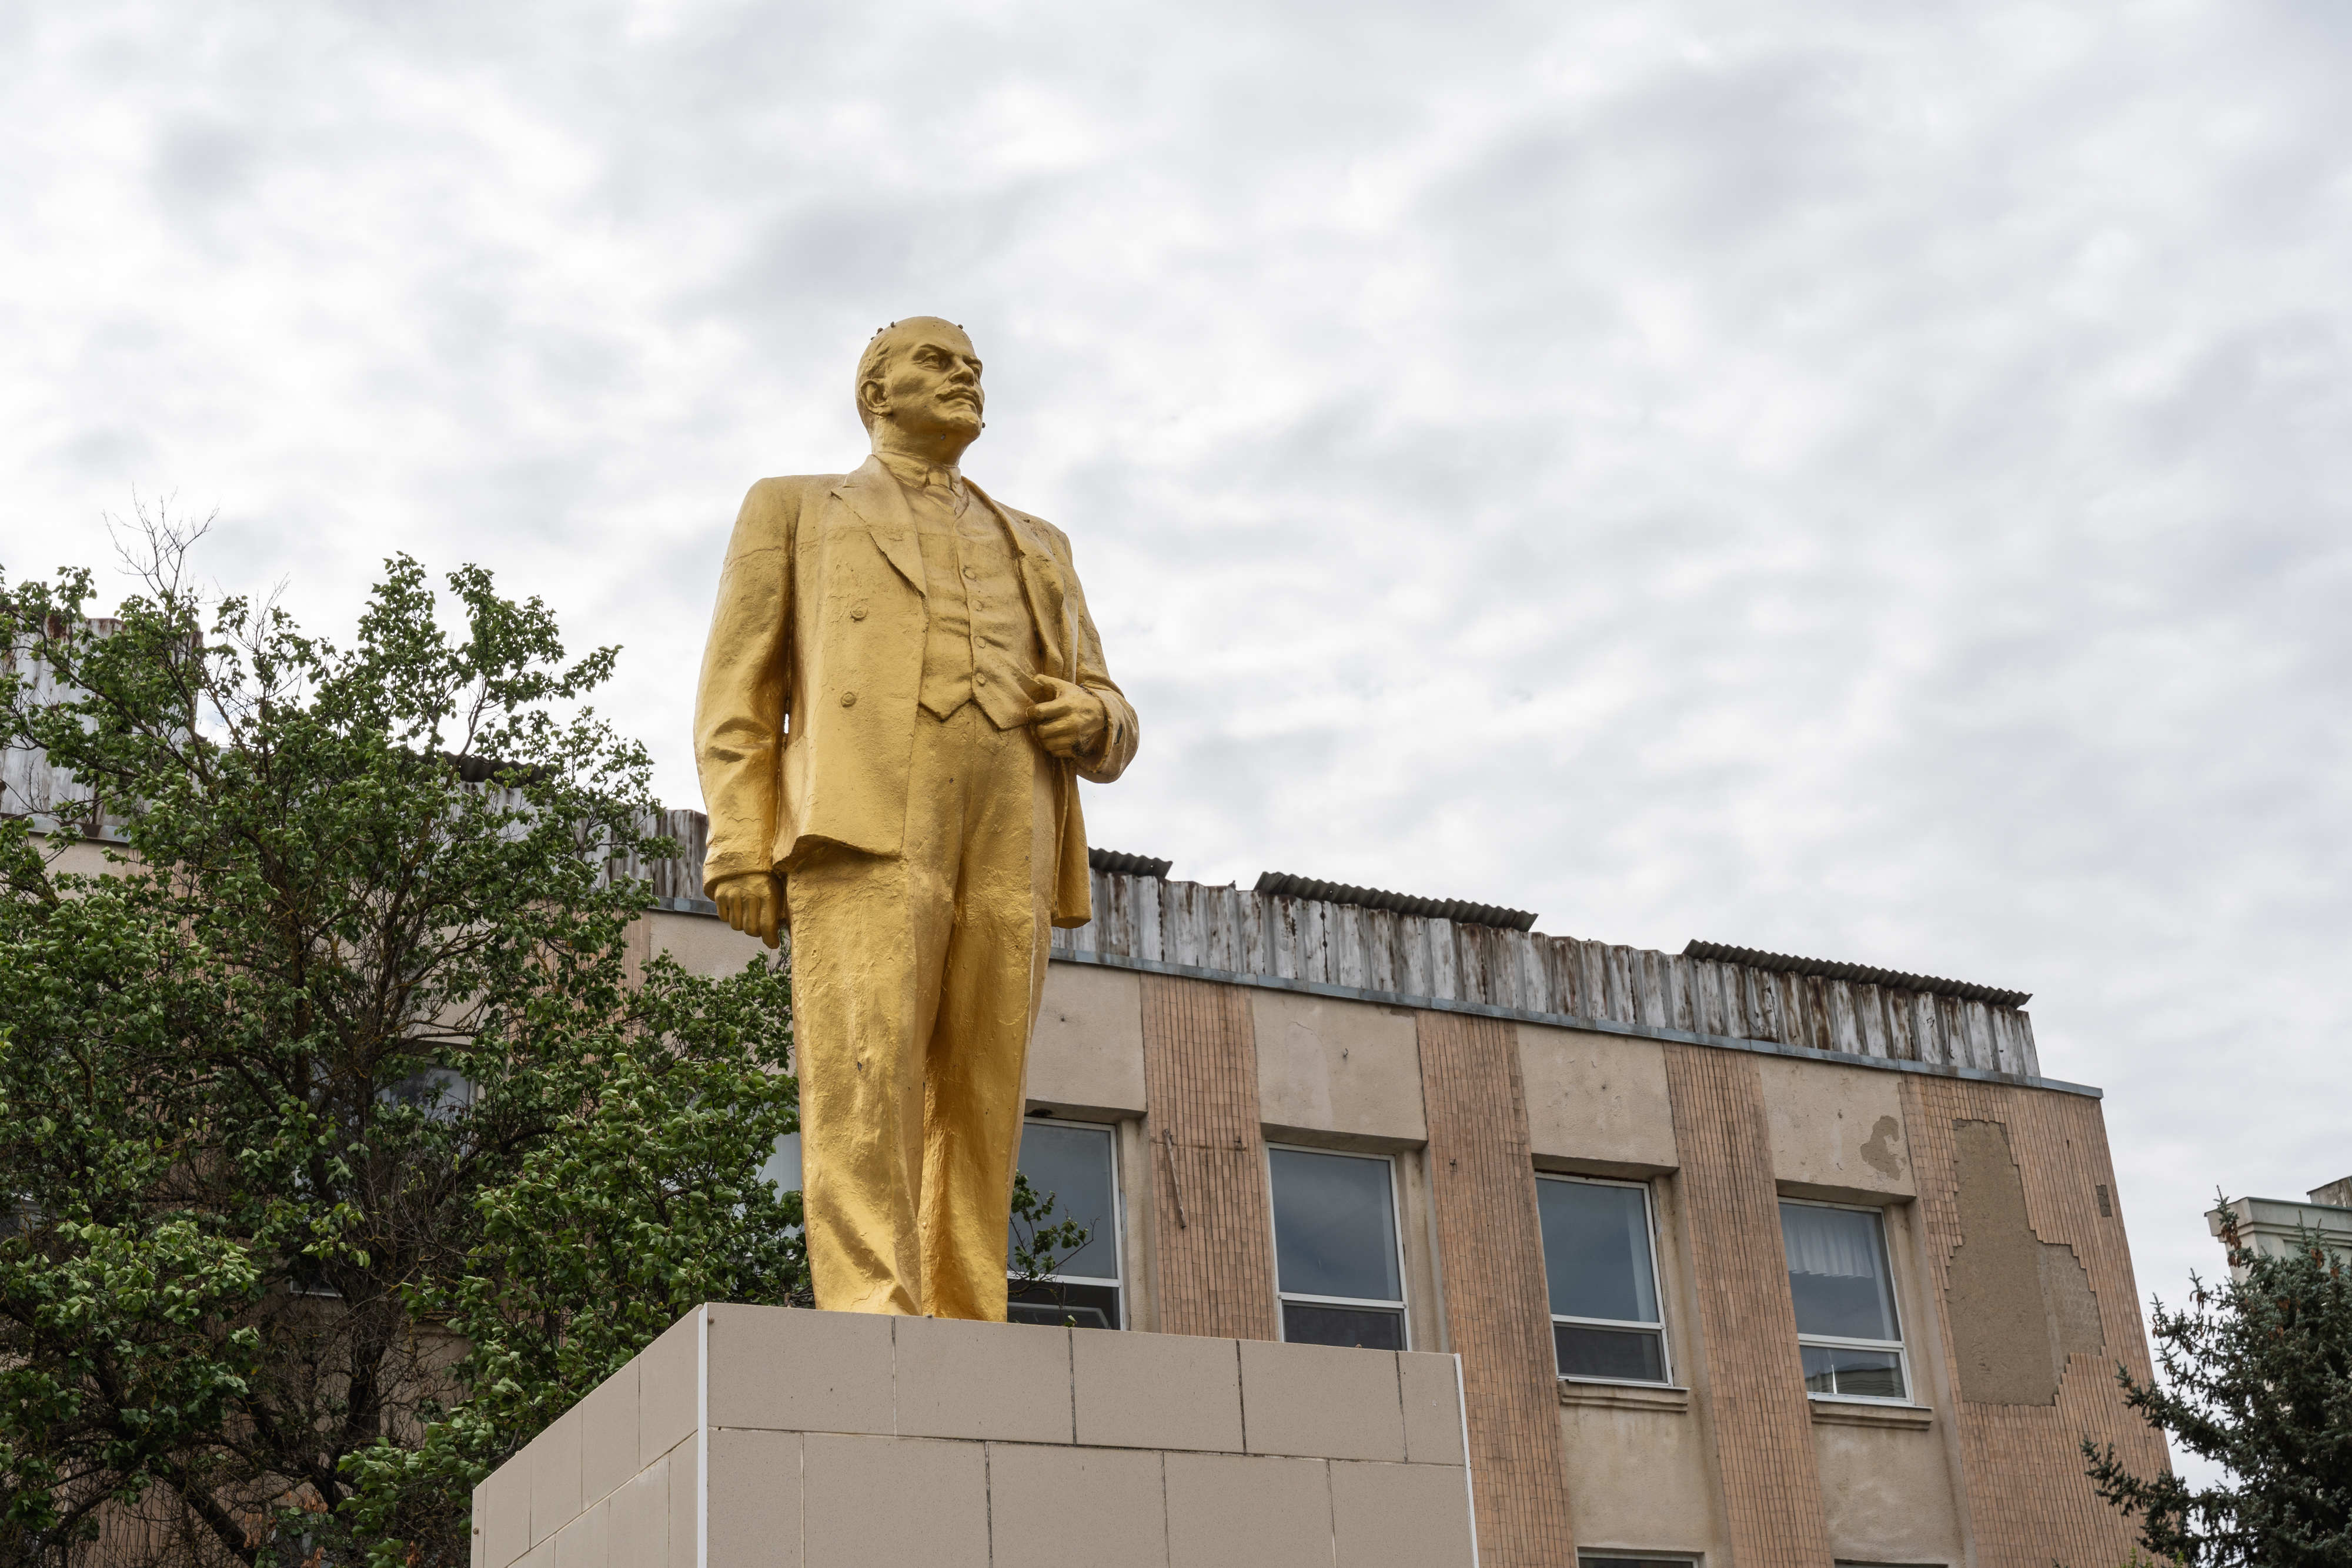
(2014, 1243)
(1476, 1059)
(1735, 1464)
(1495, 1313)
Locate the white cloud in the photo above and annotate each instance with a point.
(1858, 479)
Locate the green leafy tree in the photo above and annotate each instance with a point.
(2257, 1378)
(342, 1144)
(1040, 1244)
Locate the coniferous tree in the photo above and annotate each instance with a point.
(2257, 1379)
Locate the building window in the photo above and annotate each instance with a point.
(1337, 1265)
(1074, 1162)
(1844, 1294)
(1619, 1559)
(1602, 1265)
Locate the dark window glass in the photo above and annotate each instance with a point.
(1634, 1356)
(1072, 1163)
(1856, 1374)
(1365, 1328)
(1334, 1225)
(1588, 1560)
(1057, 1305)
(1596, 1242)
(1837, 1273)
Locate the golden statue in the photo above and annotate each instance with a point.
(902, 690)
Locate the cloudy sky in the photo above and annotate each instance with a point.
(1862, 480)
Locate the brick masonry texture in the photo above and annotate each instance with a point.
(1497, 1310)
(1212, 1216)
(2029, 1502)
(1763, 1425)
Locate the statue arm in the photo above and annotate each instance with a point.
(1110, 756)
(741, 701)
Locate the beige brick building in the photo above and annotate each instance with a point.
(1749, 1260)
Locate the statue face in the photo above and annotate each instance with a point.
(929, 384)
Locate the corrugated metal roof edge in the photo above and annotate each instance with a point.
(1284, 885)
(1755, 958)
(1119, 862)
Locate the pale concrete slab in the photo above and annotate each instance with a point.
(1837, 1132)
(555, 1476)
(587, 1541)
(1087, 1051)
(754, 1500)
(639, 1535)
(684, 1504)
(782, 1369)
(668, 1375)
(877, 1500)
(1158, 1391)
(1234, 1510)
(506, 1514)
(1326, 1065)
(1322, 1401)
(1400, 1516)
(1106, 1508)
(1433, 1407)
(1598, 1099)
(608, 1434)
(1006, 1382)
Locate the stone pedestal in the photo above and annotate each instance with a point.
(766, 1437)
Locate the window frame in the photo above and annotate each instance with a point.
(1118, 1216)
(1657, 1291)
(1402, 1306)
(1895, 1302)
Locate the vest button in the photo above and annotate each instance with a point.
(979, 680)
(849, 699)
(857, 611)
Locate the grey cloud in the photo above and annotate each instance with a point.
(1855, 480)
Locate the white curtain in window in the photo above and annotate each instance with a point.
(1836, 1242)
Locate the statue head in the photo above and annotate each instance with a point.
(918, 388)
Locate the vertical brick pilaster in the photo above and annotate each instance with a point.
(1490, 1248)
(2029, 1502)
(1763, 1426)
(1212, 1223)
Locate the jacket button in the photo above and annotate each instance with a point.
(849, 699)
(857, 611)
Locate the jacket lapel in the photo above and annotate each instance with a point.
(881, 506)
(1041, 580)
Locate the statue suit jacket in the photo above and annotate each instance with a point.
(804, 719)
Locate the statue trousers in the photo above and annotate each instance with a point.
(915, 983)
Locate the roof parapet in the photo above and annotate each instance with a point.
(1755, 958)
(1283, 885)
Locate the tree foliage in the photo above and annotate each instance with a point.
(344, 1144)
(2257, 1378)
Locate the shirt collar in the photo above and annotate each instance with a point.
(917, 474)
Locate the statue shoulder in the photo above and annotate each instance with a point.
(1061, 541)
(793, 489)
(777, 503)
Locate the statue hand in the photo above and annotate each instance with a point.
(1070, 721)
(752, 902)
